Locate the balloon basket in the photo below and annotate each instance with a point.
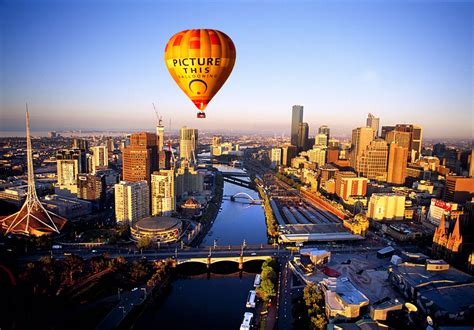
(201, 115)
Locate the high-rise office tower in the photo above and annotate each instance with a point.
(321, 139)
(373, 161)
(385, 130)
(361, 138)
(100, 158)
(164, 160)
(397, 164)
(140, 158)
(332, 155)
(275, 157)
(317, 155)
(91, 187)
(162, 193)
(110, 146)
(80, 144)
(471, 164)
(188, 142)
(402, 139)
(288, 153)
(160, 136)
(324, 129)
(216, 149)
(296, 120)
(69, 163)
(303, 131)
(188, 179)
(131, 201)
(373, 122)
(415, 131)
(79, 147)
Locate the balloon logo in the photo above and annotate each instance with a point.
(200, 61)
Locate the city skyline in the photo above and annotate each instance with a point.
(79, 71)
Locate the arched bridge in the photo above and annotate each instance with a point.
(208, 261)
(242, 195)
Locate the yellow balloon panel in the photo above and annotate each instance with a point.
(200, 61)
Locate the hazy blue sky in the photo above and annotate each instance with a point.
(99, 64)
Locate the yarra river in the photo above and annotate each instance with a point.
(197, 300)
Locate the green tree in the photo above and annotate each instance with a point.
(266, 289)
(268, 273)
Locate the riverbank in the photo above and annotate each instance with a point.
(212, 210)
(272, 226)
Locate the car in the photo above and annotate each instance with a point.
(253, 254)
(94, 251)
(134, 289)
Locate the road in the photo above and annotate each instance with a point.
(284, 303)
(187, 253)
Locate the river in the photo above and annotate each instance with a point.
(214, 301)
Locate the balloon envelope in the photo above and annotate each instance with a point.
(200, 61)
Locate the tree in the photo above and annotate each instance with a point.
(266, 289)
(73, 264)
(314, 300)
(144, 243)
(268, 273)
(139, 270)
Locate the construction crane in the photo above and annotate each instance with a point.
(158, 117)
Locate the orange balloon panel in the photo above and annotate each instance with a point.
(200, 61)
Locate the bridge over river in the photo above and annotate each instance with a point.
(236, 178)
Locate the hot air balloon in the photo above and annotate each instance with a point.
(200, 61)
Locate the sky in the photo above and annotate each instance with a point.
(99, 64)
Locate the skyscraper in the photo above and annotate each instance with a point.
(188, 142)
(296, 120)
(397, 164)
(385, 130)
(140, 157)
(372, 163)
(188, 179)
(100, 158)
(91, 187)
(275, 157)
(288, 153)
(373, 122)
(160, 136)
(402, 139)
(471, 164)
(131, 201)
(321, 139)
(69, 164)
(303, 131)
(317, 155)
(162, 193)
(324, 129)
(216, 149)
(415, 139)
(80, 144)
(361, 138)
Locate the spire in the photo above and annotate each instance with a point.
(32, 218)
(29, 160)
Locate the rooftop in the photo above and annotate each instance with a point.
(157, 223)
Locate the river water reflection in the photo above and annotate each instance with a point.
(238, 220)
(217, 302)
